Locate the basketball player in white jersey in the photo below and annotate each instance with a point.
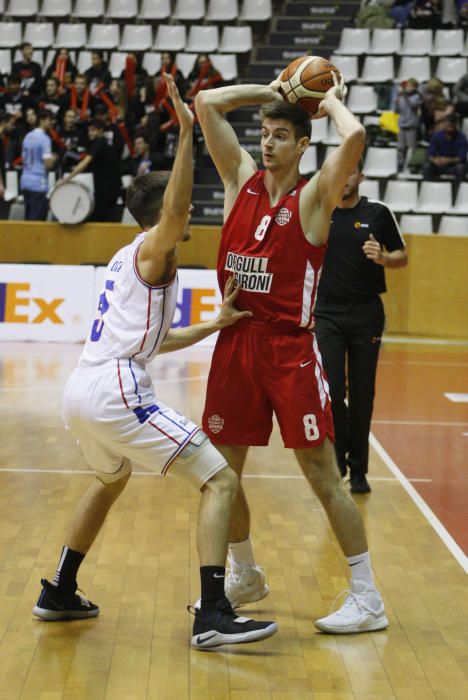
(111, 408)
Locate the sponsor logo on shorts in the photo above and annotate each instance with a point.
(283, 217)
(215, 424)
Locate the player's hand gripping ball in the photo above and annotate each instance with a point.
(306, 81)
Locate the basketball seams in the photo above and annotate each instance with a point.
(301, 85)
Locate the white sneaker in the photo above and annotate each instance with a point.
(245, 585)
(362, 611)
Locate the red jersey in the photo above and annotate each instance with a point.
(278, 270)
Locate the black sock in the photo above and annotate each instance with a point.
(212, 585)
(67, 570)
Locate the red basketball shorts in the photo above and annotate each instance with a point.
(258, 370)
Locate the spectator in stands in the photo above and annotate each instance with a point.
(13, 101)
(32, 119)
(408, 106)
(4, 118)
(141, 161)
(430, 93)
(110, 130)
(447, 153)
(119, 98)
(52, 100)
(401, 11)
(103, 161)
(168, 65)
(98, 75)
(79, 98)
(460, 96)
(443, 108)
(202, 76)
(71, 143)
(62, 69)
(133, 75)
(11, 141)
(463, 14)
(28, 71)
(139, 106)
(425, 14)
(38, 159)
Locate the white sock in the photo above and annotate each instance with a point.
(361, 568)
(241, 554)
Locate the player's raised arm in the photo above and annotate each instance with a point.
(157, 260)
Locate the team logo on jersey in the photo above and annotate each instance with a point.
(359, 224)
(283, 217)
(215, 423)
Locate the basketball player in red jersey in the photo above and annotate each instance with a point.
(274, 240)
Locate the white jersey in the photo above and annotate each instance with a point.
(133, 317)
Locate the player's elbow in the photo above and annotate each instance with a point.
(358, 135)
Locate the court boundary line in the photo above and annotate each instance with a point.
(421, 504)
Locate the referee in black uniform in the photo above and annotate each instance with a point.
(349, 315)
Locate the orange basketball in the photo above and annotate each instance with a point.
(306, 80)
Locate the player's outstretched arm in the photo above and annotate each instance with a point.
(156, 256)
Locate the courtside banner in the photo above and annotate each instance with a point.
(46, 302)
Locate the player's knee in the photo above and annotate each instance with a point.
(225, 483)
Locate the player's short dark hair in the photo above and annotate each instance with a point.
(291, 113)
(145, 197)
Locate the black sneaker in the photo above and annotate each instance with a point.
(54, 604)
(222, 626)
(359, 484)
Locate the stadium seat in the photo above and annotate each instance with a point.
(89, 9)
(155, 9)
(170, 37)
(354, 41)
(348, 65)
(416, 223)
(236, 40)
(117, 63)
(222, 10)
(369, 189)
(380, 162)
(56, 8)
(202, 39)
(448, 42)
(308, 162)
(226, 64)
(5, 61)
(461, 200)
(378, 69)
(39, 34)
(185, 62)
(434, 197)
(136, 37)
(319, 130)
(84, 61)
(122, 9)
(454, 226)
(418, 67)
(332, 137)
(189, 10)
(401, 195)
(17, 211)
(385, 41)
(103, 36)
(11, 185)
(256, 10)
(22, 8)
(10, 34)
(71, 36)
(362, 99)
(416, 42)
(152, 62)
(329, 150)
(450, 70)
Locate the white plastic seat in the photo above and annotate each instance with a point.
(332, 137)
(385, 41)
(222, 10)
(185, 62)
(225, 64)
(71, 36)
(362, 99)
(319, 130)
(155, 9)
(354, 41)
(56, 8)
(416, 223)
(5, 61)
(103, 36)
(434, 197)
(136, 37)
(10, 34)
(11, 185)
(170, 37)
(39, 34)
(256, 10)
(117, 63)
(329, 150)
(378, 69)
(236, 40)
(369, 188)
(202, 39)
(450, 70)
(448, 42)
(416, 42)
(418, 67)
(22, 8)
(189, 10)
(380, 162)
(122, 9)
(461, 200)
(89, 9)
(401, 195)
(152, 62)
(347, 65)
(308, 162)
(454, 226)
(84, 61)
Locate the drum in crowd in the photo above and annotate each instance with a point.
(71, 202)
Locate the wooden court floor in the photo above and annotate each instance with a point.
(143, 568)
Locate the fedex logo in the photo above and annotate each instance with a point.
(17, 306)
(195, 306)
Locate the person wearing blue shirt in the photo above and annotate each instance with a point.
(38, 159)
(447, 153)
